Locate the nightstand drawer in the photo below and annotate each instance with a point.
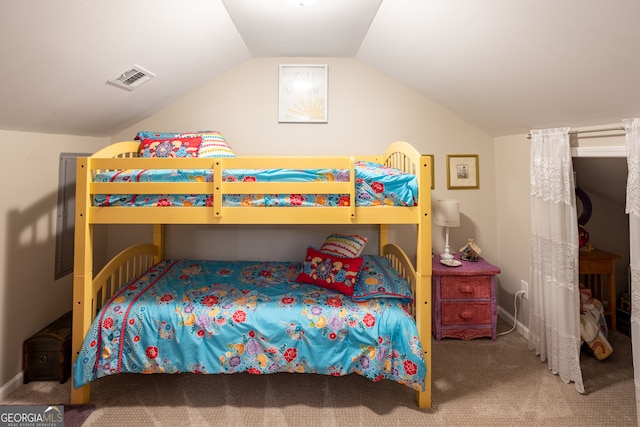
(457, 287)
(466, 313)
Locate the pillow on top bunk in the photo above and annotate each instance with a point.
(142, 135)
(171, 147)
(343, 245)
(378, 278)
(212, 145)
(329, 271)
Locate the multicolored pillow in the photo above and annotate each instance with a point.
(171, 147)
(378, 278)
(344, 246)
(328, 271)
(213, 143)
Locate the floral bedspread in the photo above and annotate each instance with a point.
(375, 185)
(214, 317)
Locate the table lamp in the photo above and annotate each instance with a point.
(447, 215)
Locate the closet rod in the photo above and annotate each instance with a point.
(576, 132)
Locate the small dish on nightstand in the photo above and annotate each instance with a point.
(451, 262)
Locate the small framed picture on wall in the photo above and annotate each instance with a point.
(463, 172)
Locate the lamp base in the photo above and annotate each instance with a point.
(446, 255)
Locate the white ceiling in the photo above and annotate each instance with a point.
(504, 66)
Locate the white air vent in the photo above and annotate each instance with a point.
(132, 78)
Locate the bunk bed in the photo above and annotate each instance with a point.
(142, 263)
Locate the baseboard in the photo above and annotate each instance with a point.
(12, 385)
(508, 317)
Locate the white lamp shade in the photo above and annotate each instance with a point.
(447, 213)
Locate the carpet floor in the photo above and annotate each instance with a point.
(475, 383)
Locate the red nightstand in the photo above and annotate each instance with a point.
(464, 299)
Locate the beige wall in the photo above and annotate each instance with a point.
(513, 216)
(30, 298)
(367, 111)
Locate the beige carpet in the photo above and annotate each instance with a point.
(476, 383)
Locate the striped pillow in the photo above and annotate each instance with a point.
(343, 245)
(214, 145)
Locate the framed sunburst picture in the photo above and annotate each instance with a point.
(303, 93)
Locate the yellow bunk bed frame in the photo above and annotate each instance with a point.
(90, 293)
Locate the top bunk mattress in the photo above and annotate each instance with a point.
(376, 185)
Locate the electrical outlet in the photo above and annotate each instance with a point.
(525, 287)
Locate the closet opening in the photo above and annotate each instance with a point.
(604, 253)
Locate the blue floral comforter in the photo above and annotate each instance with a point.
(214, 317)
(376, 185)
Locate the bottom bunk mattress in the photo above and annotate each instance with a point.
(214, 317)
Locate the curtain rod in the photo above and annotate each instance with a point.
(576, 132)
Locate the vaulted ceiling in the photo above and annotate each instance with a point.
(504, 66)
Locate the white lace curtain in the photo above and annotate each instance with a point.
(554, 309)
(632, 132)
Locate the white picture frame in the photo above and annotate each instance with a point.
(303, 93)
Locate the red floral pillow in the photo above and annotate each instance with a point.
(329, 271)
(171, 147)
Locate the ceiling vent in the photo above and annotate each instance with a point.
(132, 78)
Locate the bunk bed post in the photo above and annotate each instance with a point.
(82, 272)
(158, 240)
(383, 237)
(423, 272)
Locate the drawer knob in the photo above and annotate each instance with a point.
(465, 289)
(466, 314)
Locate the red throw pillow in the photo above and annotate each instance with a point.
(329, 271)
(172, 147)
